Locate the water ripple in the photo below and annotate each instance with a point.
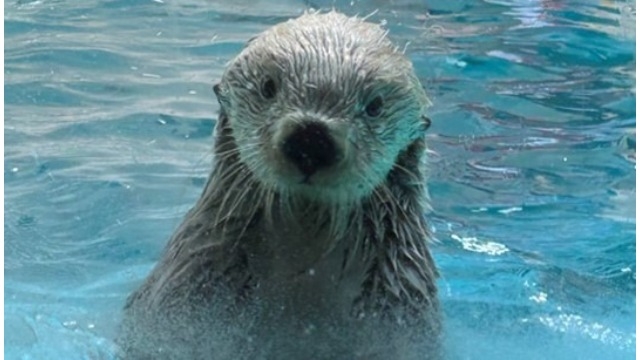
(108, 121)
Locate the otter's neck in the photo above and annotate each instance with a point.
(386, 229)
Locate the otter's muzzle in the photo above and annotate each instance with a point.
(310, 148)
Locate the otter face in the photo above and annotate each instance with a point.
(321, 106)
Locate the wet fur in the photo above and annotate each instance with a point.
(264, 270)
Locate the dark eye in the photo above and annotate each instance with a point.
(374, 108)
(268, 88)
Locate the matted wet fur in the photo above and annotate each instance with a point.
(309, 240)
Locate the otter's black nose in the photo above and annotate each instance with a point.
(310, 147)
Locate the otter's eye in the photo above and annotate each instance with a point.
(268, 88)
(374, 108)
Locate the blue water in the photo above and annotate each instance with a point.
(108, 121)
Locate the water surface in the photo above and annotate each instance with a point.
(108, 121)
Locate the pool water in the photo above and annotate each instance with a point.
(108, 121)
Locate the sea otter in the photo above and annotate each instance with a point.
(309, 240)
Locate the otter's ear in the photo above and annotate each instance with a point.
(217, 89)
(222, 118)
(426, 122)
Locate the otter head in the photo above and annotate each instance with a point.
(321, 106)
